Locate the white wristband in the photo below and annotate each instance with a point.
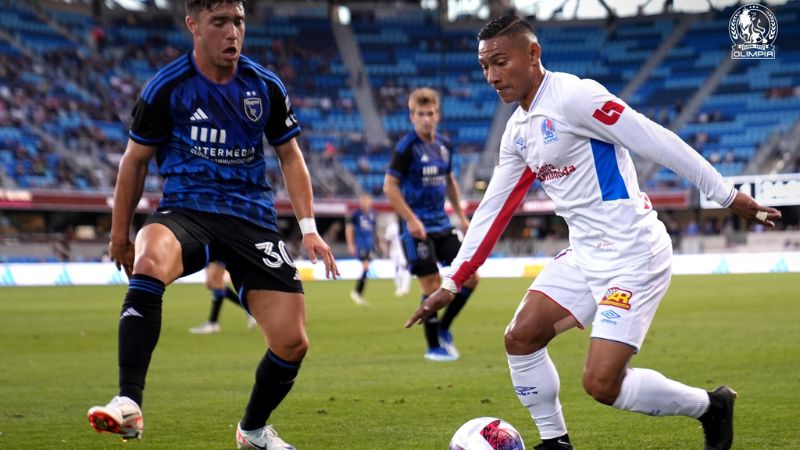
(449, 285)
(307, 225)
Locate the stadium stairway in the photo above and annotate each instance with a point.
(374, 132)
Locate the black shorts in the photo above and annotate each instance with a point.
(422, 255)
(364, 254)
(255, 257)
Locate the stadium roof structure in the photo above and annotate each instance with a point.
(541, 9)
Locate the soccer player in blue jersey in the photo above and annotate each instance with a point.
(203, 117)
(217, 279)
(360, 235)
(418, 180)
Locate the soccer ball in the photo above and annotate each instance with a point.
(487, 433)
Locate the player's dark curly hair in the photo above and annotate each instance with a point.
(195, 6)
(505, 26)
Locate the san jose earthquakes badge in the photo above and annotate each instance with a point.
(253, 107)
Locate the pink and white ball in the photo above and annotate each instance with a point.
(487, 433)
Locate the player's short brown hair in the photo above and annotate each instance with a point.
(423, 97)
(195, 6)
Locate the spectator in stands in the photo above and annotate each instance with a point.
(97, 37)
(699, 141)
(730, 157)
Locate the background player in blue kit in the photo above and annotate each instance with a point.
(217, 279)
(203, 117)
(418, 180)
(360, 235)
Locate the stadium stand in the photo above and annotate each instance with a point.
(68, 82)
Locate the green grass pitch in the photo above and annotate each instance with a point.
(365, 384)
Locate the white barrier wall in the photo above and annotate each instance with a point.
(67, 274)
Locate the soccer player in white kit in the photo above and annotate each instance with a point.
(573, 136)
(394, 249)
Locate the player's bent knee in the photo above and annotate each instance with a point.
(524, 342)
(294, 350)
(603, 389)
(147, 265)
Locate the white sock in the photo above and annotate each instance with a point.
(648, 392)
(536, 383)
(401, 279)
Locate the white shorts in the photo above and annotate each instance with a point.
(398, 258)
(620, 305)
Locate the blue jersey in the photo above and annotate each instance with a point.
(424, 169)
(209, 137)
(364, 228)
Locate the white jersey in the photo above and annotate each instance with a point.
(392, 235)
(574, 139)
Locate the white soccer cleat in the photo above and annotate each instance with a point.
(206, 328)
(120, 416)
(446, 342)
(400, 292)
(357, 298)
(263, 438)
(439, 354)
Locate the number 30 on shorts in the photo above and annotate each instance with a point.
(275, 259)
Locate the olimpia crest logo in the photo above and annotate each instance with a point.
(753, 30)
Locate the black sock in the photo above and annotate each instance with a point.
(454, 308)
(139, 327)
(431, 326)
(274, 379)
(361, 282)
(216, 304)
(231, 295)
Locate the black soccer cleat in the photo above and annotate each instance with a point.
(718, 420)
(559, 443)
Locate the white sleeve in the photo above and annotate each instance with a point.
(592, 111)
(507, 188)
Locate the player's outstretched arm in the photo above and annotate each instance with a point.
(436, 301)
(746, 207)
(298, 186)
(127, 193)
(350, 237)
(391, 188)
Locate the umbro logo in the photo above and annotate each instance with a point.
(523, 391)
(198, 115)
(424, 158)
(609, 314)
